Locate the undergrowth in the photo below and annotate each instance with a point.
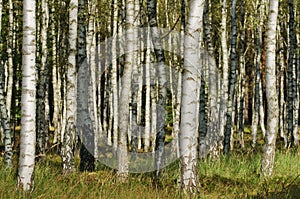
(233, 176)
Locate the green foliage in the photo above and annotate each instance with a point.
(234, 176)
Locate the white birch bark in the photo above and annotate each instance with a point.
(70, 133)
(213, 123)
(1, 62)
(25, 179)
(56, 82)
(225, 67)
(42, 86)
(122, 153)
(232, 78)
(148, 96)
(8, 152)
(10, 69)
(4, 120)
(114, 75)
(188, 128)
(282, 103)
(161, 86)
(268, 155)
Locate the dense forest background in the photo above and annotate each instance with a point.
(137, 85)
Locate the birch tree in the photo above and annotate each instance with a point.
(225, 67)
(28, 100)
(161, 85)
(292, 91)
(257, 99)
(84, 123)
(42, 86)
(188, 128)
(268, 155)
(8, 152)
(232, 79)
(122, 153)
(70, 132)
(10, 68)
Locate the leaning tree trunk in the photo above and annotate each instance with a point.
(70, 133)
(268, 155)
(28, 100)
(188, 128)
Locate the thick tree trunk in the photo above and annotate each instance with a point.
(122, 153)
(28, 101)
(271, 92)
(188, 129)
(70, 133)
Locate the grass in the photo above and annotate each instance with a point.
(232, 176)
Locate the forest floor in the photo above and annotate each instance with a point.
(232, 176)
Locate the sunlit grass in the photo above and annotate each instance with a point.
(233, 176)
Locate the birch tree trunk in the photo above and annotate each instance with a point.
(56, 79)
(241, 83)
(9, 87)
(268, 155)
(282, 101)
(232, 78)
(114, 76)
(25, 179)
(176, 125)
(8, 152)
(188, 128)
(136, 75)
(2, 76)
(292, 96)
(70, 133)
(257, 99)
(122, 153)
(225, 69)
(42, 86)
(162, 86)
(84, 123)
(213, 119)
(148, 93)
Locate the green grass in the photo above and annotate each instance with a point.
(234, 176)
